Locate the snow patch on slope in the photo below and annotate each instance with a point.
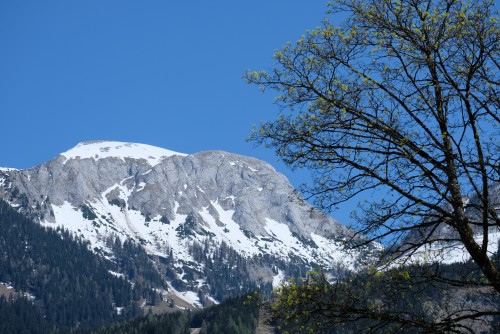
(447, 252)
(6, 169)
(278, 279)
(280, 240)
(230, 232)
(158, 238)
(111, 149)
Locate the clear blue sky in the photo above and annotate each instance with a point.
(162, 73)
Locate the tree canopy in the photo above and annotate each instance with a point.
(401, 100)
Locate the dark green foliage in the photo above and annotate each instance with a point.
(172, 323)
(390, 301)
(396, 104)
(225, 271)
(188, 227)
(20, 316)
(305, 241)
(22, 197)
(132, 260)
(87, 212)
(234, 316)
(118, 202)
(71, 284)
(248, 234)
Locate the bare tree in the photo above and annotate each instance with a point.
(402, 99)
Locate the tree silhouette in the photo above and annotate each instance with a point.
(400, 100)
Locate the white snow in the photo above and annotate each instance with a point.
(7, 285)
(106, 149)
(160, 238)
(280, 231)
(140, 186)
(280, 240)
(213, 300)
(232, 198)
(278, 279)
(447, 252)
(6, 169)
(114, 273)
(28, 295)
(237, 163)
(188, 296)
(230, 232)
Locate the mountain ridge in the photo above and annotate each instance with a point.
(170, 202)
(99, 149)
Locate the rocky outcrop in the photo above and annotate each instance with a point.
(167, 201)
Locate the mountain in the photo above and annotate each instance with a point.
(442, 244)
(50, 279)
(216, 224)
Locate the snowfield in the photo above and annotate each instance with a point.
(110, 149)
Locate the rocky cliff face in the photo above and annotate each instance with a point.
(169, 201)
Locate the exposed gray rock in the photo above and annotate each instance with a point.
(102, 188)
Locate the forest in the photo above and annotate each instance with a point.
(58, 285)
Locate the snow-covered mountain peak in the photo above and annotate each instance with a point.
(113, 149)
(178, 206)
(6, 169)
